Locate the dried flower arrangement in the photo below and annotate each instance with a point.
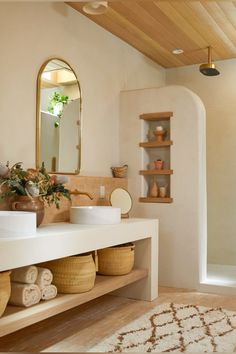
(15, 181)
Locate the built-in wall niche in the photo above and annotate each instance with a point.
(156, 157)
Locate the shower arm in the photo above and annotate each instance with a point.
(209, 55)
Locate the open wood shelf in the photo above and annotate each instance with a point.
(155, 200)
(156, 116)
(155, 172)
(16, 317)
(156, 144)
(163, 154)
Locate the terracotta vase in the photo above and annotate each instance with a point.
(153, 189)
(25, 203)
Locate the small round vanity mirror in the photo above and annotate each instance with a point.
(58, 124)
(120, 198)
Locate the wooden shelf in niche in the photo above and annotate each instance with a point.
(16, 317)
(155, 200)
(156, 116)
(156, 144)
(163, 119)
(155, 172)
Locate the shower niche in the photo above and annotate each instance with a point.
(156, 157)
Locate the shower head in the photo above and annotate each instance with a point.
(209, 69)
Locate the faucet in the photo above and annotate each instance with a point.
(76, 192)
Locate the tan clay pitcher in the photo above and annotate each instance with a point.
(25, 203)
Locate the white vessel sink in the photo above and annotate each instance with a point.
(95, 215)
(17, 223)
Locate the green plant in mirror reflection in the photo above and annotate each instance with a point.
(56, 105)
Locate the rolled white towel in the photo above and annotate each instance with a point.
(44, 277)
(26, 275)
(24, 294)
(48, 292)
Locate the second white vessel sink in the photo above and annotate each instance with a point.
(95, 215)
(17, 223)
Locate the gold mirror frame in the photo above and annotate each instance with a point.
(38, 119)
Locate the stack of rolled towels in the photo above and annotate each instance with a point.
(31, 284)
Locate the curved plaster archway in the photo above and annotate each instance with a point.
(182, 239)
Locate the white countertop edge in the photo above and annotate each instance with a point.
(66, 227)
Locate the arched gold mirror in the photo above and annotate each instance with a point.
(58, 121)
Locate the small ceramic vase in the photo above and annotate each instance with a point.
(159, 134)
(150, 135)
(153, 189)
(159, 164)
(162, 192)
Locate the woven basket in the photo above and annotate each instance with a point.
(5, 290)
(73, 275)
(118, 260)
(119, 172)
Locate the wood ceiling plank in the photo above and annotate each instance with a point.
(147, 16)
(120, 27)
(223, 23)
(229, 10)
(213, 33)
(141, 18)
(124, 29)
(172, 33)
(160, 54)
(176, 23)
(193, 15)
(156, 27)
(181, 23)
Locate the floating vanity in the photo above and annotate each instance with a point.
(60, 240)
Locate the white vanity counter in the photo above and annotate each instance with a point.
(64, 239)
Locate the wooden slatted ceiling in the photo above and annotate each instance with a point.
(156, 27)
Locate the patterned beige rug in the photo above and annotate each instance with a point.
(175, 328)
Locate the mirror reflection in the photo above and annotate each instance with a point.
(58, 118)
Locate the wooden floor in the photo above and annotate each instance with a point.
(79, 329)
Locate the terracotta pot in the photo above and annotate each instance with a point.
(159, 164)
(25, 203)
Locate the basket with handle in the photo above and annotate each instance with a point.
(119, 172)
(117, 260)
(5, 290)
(73, 275)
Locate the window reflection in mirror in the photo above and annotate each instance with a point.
(58, 142)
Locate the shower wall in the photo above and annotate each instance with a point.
(218, 95)
(181, 223)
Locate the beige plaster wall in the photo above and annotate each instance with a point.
(32, 32)
(219, 97)
(182, 223)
